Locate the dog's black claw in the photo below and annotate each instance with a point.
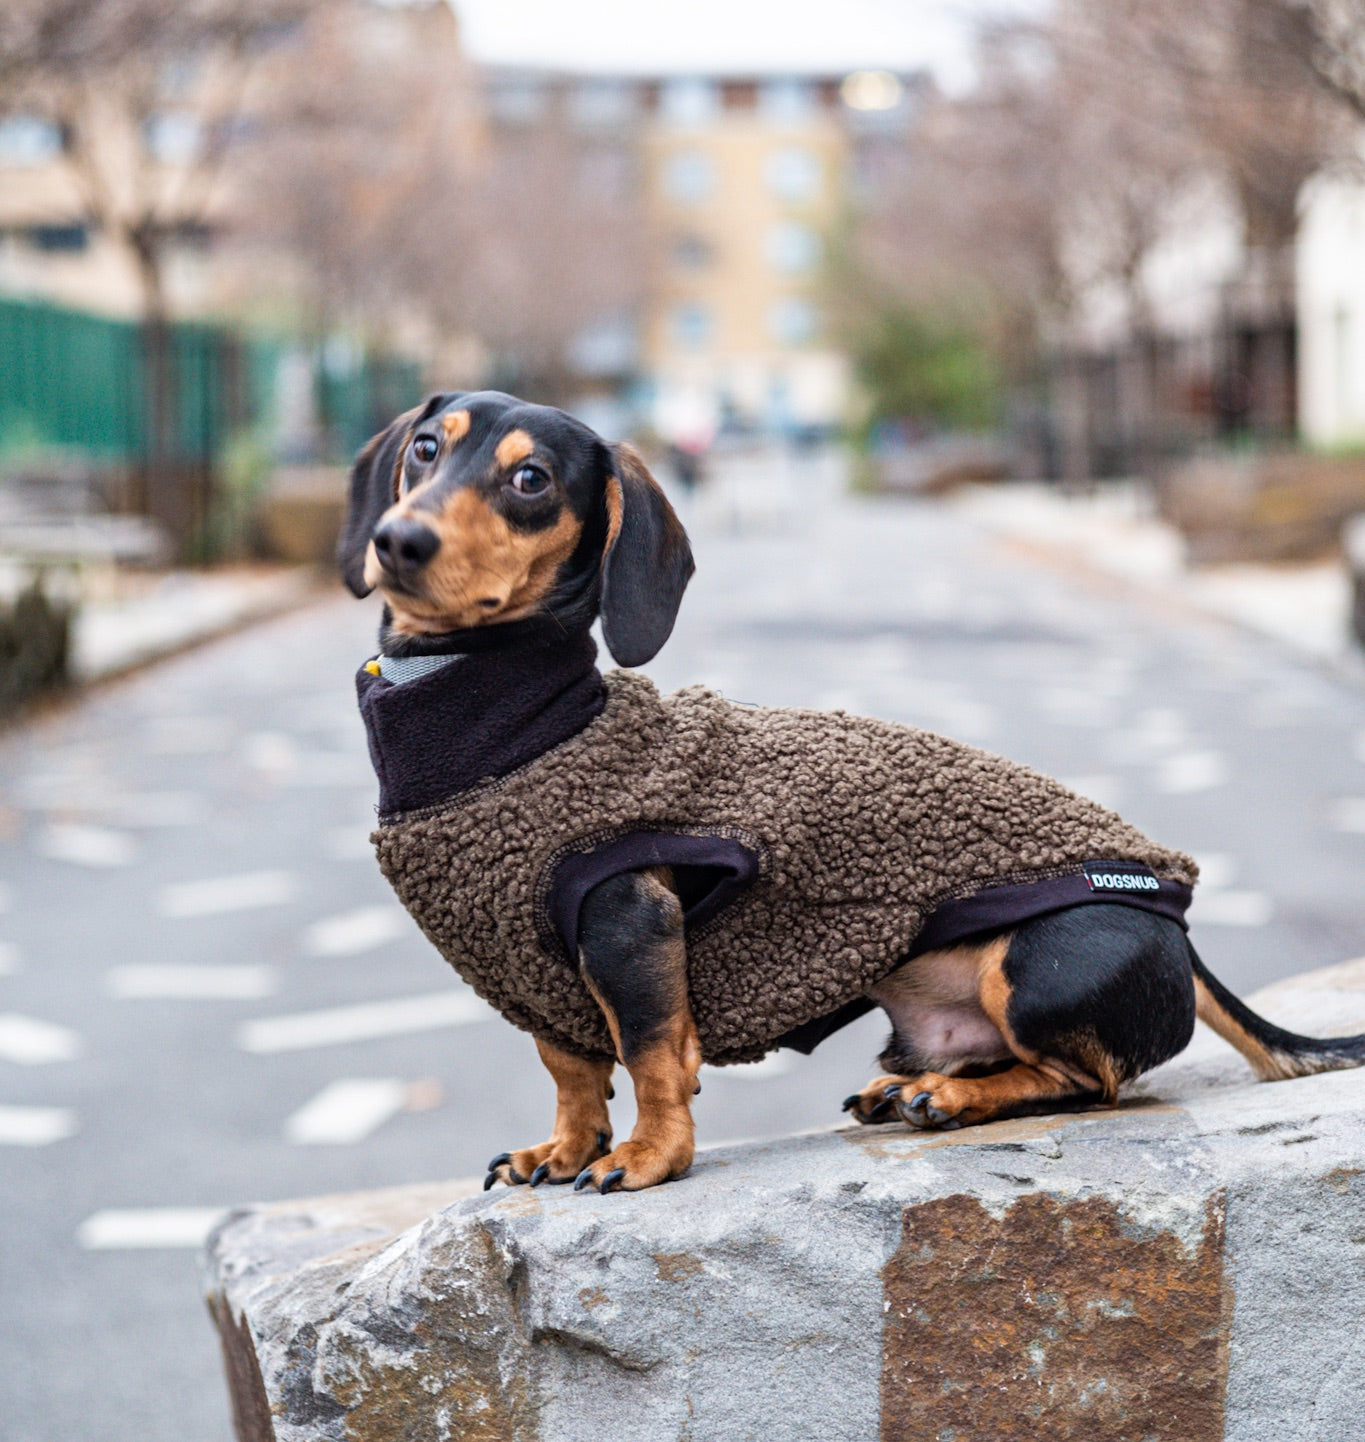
(611, 1179)
(489, 1180)
(851, 1102)
(500, 1160)
(696, 1090)
(540, 1173)
(514, 1176)
(918, 1100)
(892, 1092)
(584, 1177)
(611, 1092)
(603, 1143)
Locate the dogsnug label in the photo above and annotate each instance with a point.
(1111, 876)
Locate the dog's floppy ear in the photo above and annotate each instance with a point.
(374, 488)
(648, 562)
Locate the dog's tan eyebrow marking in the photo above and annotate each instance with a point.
(513, 447)
(615, 512)
(456, 425)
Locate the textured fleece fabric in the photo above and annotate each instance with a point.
(859, 827)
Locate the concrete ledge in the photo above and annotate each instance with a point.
(1189, 1267)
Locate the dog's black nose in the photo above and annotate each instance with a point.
(404, 546)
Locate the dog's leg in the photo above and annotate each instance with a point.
(946, 1102)
(582, 1128)
(634, 962)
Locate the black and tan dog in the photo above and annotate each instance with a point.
(564, 837)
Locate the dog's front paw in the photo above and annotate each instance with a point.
(634, 1165)
(559, 1160)
(938, 1103)
(877, 1100)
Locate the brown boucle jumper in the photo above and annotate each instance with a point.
(860, 828)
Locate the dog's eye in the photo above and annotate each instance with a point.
(425, 448)
(530, 481)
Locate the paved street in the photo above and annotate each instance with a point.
(207, 994)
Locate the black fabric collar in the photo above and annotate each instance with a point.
(440, 734)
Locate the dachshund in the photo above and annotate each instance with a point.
(488, 524)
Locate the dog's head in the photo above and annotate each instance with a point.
(477, 509)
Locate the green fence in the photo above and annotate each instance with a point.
(86, 384)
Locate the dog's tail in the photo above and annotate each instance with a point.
(1275, 1054)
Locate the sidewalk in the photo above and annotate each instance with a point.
(176, 610)
(1116, 532)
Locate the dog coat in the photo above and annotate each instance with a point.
(819, 850)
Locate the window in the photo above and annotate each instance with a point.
(793, 174)
(791, 320)
(693, 252)
(688, 102)
(27, 140)
(596, 104)
(793, 249)
(691, 325)
(690, 176)
(785, 102)
(172, 138)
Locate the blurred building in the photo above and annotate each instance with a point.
(744, 181)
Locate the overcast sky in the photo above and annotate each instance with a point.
(729, 35)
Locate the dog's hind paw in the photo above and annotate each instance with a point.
(876, 1102)
(557, 1161)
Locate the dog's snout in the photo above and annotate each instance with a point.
(405, 546)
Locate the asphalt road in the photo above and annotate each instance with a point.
(184, 858)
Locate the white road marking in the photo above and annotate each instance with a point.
(160, 808)
(188, 735)
(1191, 771)
(9, 958)
(775, 1064)
(1231, 908)
(355, 931)
(218, 894)
(1106, 790)
(143, 1227)
(1216, 870)
(190, 983)
(35, 1126)
(30, 1042)
(272, 752)
(1347, 814)
(349, 843)
(346, 1111)
(86, 845)
(278, 756)
(361, 1023)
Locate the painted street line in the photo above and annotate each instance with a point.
(160, 808)
(346, 1111)
(86, 845)
(218, 894)
(35, 1126)
(1230, 908)
(188, 735)
(1216, 870)
(1191, 771)
(145, 1227)
(190, 983)
(1347, 814)
(361, 1023)
(30, 1042)
(349, 843)
(355, 931)
(9, 958)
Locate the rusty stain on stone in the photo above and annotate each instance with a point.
(250, 1404)
(592, 1298)
(1340, 1178)
(1059, 1321)
(677, 1266)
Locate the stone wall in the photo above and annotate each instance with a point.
(1189, 1267)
